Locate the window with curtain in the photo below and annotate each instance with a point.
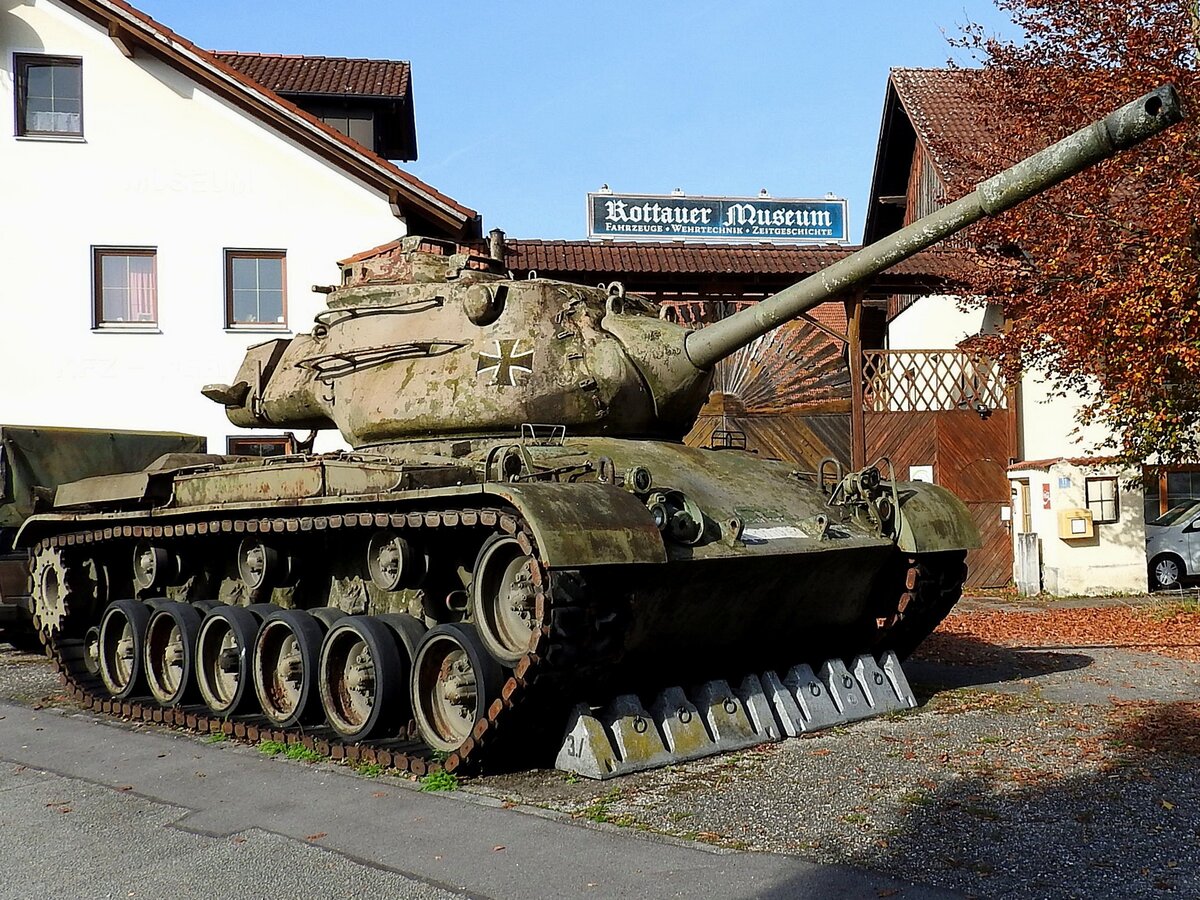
(49, 95)
(125, 286)
(255, 293)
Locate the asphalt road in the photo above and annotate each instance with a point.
(1028, 773)
(90, 808)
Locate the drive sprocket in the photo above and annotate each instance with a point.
(63, 583)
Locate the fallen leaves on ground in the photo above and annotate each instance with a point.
(1162, 727)
(1171, 633)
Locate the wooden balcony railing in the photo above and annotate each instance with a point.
(931, 380)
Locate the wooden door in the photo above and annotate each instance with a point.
(951, 411)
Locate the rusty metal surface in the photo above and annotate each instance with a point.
(586, 524)
(99, 489)
(254, 481)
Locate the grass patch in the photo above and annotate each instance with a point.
(440, 780)
(599, 811)
(290, 751)
(915, 798)
(217, 737)
(1171, 608)
(369, 770)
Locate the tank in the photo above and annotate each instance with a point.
(517, 527)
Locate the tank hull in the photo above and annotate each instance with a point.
(776, 570)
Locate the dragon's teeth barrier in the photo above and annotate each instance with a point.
(714, 718)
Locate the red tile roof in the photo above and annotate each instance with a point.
(1081, 461)
(182, 53)
(386, 78)
(943, 106)
(687, 258)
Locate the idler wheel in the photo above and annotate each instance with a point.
(503, 599)
(454, 680)
(286, 654)
(223, 648)
(363, 679)
(169, 650)
(122, 636)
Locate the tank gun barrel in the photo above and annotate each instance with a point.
(1124, 128)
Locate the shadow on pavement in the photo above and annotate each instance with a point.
(946, 661)
(1117, 817)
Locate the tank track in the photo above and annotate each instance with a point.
(573, 642)
(577, 641)
(933, 583)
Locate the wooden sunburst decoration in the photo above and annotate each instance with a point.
(793, 368)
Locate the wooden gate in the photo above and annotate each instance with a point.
(950, 411)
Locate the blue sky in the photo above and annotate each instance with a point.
(523, 107)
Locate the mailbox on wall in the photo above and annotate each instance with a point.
(1075, 524)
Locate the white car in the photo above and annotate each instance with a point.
(1173, 545)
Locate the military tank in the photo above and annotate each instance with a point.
(518, 527)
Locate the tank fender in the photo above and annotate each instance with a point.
(933, 519)
(585, 524)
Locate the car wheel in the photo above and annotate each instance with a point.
(1165, 571)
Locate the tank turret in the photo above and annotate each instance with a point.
(425, 339)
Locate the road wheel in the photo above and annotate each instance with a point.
(286, 653)
(170, 652)
(223, 649)
(122, 637)
(363, 679)
(454, 681)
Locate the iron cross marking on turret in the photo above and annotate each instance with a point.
(505, 362)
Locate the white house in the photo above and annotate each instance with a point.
(164, 211)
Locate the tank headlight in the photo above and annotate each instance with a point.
(659, 511)
(638, 479)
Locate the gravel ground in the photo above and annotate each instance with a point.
(1025, 773)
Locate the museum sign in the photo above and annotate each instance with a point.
(647, 216)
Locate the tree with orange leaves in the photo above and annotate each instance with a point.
(1099, 277)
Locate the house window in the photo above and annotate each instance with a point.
(358, 125)
(254, 288)
(49, 95)
(260, 445)
(124, 287)
(1168, 487)
(1101, 498)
